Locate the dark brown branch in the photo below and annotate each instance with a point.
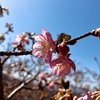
(8, 57)
(15, 53)
(21, 86)
(1, 82)
(71, 42)
(80, 37)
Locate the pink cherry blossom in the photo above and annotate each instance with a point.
(62, 65)
(51, 84)
(22, 38)
(44, 47)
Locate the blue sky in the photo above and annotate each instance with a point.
(74, 17)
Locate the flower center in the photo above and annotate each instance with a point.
(61, 65)
(45, 46)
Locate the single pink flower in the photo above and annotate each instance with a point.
(51, 84)
(22, 38)
(41, 76)
(44, 47)
(62, 65)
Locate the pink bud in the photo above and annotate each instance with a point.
(63, 49)
(22, 38)
(41, 76)
(51, 84)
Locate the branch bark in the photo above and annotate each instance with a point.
(1, 82)
(21, 86)
(70, 42)
(15, 53)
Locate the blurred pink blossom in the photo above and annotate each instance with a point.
(51, 84)
(88, 96)
(62, 65)
(44, 47)
(14, 44)
(41, 76)
(22, 38)
(19, 40)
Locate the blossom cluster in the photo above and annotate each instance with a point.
(44, 76)
(44, 47)
(66, 94)
(19, 41)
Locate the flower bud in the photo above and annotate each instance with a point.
(51, 84)
(63, 49)
(41, 76)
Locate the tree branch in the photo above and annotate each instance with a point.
(21, 86)
(70, 42)
(15, 53)
(1, 82)
(73, 41)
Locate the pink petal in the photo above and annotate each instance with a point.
(48, 56)
(37, 50)
(59, 60)
(67, 71)
(46, 34)
(61, 71)
(62, 66)
(48, 37)
(39, 38)
(89, 97)
(86, 97)
(18, 38)
(55, 70)
(72, 64)
(53, 46)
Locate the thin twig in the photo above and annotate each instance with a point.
(15, 53)
(7, 57)
(98, 64)
(80, 37)
(29, 88)
(21, 86)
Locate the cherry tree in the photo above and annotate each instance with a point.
(43, 47)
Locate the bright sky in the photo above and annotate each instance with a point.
(74, 17)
